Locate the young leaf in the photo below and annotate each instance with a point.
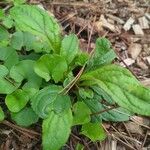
(69, 47)
(51, 66)
(81, 113)
(7, 86)
(94, 131)
(2, 115)
(103, 54)
(56, 129)
(16, 100)
(121, 86)
(25, 117)
(38, 22)
(49, 99)
(23, 71)
(9, 56)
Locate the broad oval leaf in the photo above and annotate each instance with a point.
(25, 117)
(121, 86)
(94, 131)
(56, 129)
(7, 85)
(49, 99)
(38, 22)
(51, 66)
(17, 100)
(2, 115)
(69, 47)
(23, 71)
(9, 56)
(81, 113)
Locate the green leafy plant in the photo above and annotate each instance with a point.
(47, 76)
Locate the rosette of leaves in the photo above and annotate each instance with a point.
(42, 79)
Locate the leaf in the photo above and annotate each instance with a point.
(49, 99)
(2, 14)
(61, 103)
(38, 22)
(17, 40)
(16, 100)
(8, 22)
(56, 129)
(115, 115)
(4, 35)
(19, 2)
(94, 131)
(25, 117)
(7, 86)
(79, 147)
(23, 71)
(2, 115)
(9, 56)
(81, 113)
(86, 93)
(103, 54)
(69, 47)
(51, 66)
(121, 86)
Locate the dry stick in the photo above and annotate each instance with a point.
(144, 139)
(122, 136)
(5, 122)
(91, 31)
(123, 142)
(82, 29)
(102, 111)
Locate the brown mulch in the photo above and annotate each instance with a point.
(90, 19)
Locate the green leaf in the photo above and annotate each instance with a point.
(38, 22)
(56, 129)
(81, 113)
(93, 131)
(49, 99)
(17, 40)
(103, 54)
(121, 86)
(79, 147)
(8, 22)
(25, 117)
(2, 115)
(18, 2)
(17, 100)
(4, 35)
(115, 115)
(2, 14)
(23, 71)
(51, 66)
(7, 86)
(9, 56)
(86, 93)
(69, 47)
(61, 103)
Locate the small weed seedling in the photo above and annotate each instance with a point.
(44, 75)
